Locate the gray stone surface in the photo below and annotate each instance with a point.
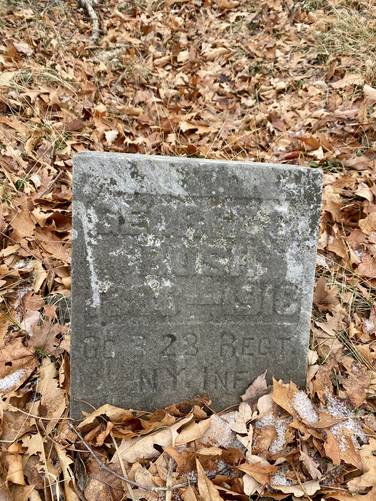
(189, 276)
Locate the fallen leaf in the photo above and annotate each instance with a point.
(111, 135)
(261, 470)
(300, 490)
(310, 464)
(367, 267)
(40, 275)
(6, 78)
(52, 397)
(23, 223)
(256, 389)
(332, 449)
(242, 417)
(364, 191)
(369, 94)
(143, 447)
(324, 298)
(74, 125)
(65, 462)
(370, 496)
(23, 48)
(212, 54)
(356, 385)
(13, 460)
(227, 4)
(193, 431)
(206, 488)
(368, 224)
(189, 494)
(112, 413)
(283, 395)
(33, 444)
(348, 80)
(251, 486)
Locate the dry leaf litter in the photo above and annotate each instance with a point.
(282, 81)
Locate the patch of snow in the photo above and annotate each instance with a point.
(369, 325)
(280, 441)
(339, 409)
(304, 408)
(265, 421)
(280, 479)
(219, 433)
(9, 381)
(191, 477)
(280, 427)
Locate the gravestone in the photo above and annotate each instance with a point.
(190, 276)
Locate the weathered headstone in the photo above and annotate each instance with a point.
(189, 276)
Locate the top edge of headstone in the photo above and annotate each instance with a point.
(108, 156)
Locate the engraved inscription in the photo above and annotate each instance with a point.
(233, 345)
(147, 380)
(186, 345)
(169, 349)
(165, 379)
(204, 298)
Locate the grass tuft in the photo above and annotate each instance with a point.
(349, 31)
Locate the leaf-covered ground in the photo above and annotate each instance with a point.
(275, 80)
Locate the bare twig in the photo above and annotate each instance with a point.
(88, 6)
(104, 467)
(40, 195)
(300, 484)
(129, 487)
(169, 485)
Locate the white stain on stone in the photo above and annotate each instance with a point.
(151, 240)
(132, 259)
(282, 208)
(294, 261)
(118, 252)
(154, 284)
(162, 225)
(131, 177)
(89, 220)
(190, 233)
(157, 284)
(199, 265)
(255, 270)
(105, 286)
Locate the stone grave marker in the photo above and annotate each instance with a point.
(190, 276)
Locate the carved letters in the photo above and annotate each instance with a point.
(180, 271)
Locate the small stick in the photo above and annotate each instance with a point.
(103, 465)
(300, 483)
(114, 473)
(169, 486)
(88, 6)
(129, 487)
(40, 195)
